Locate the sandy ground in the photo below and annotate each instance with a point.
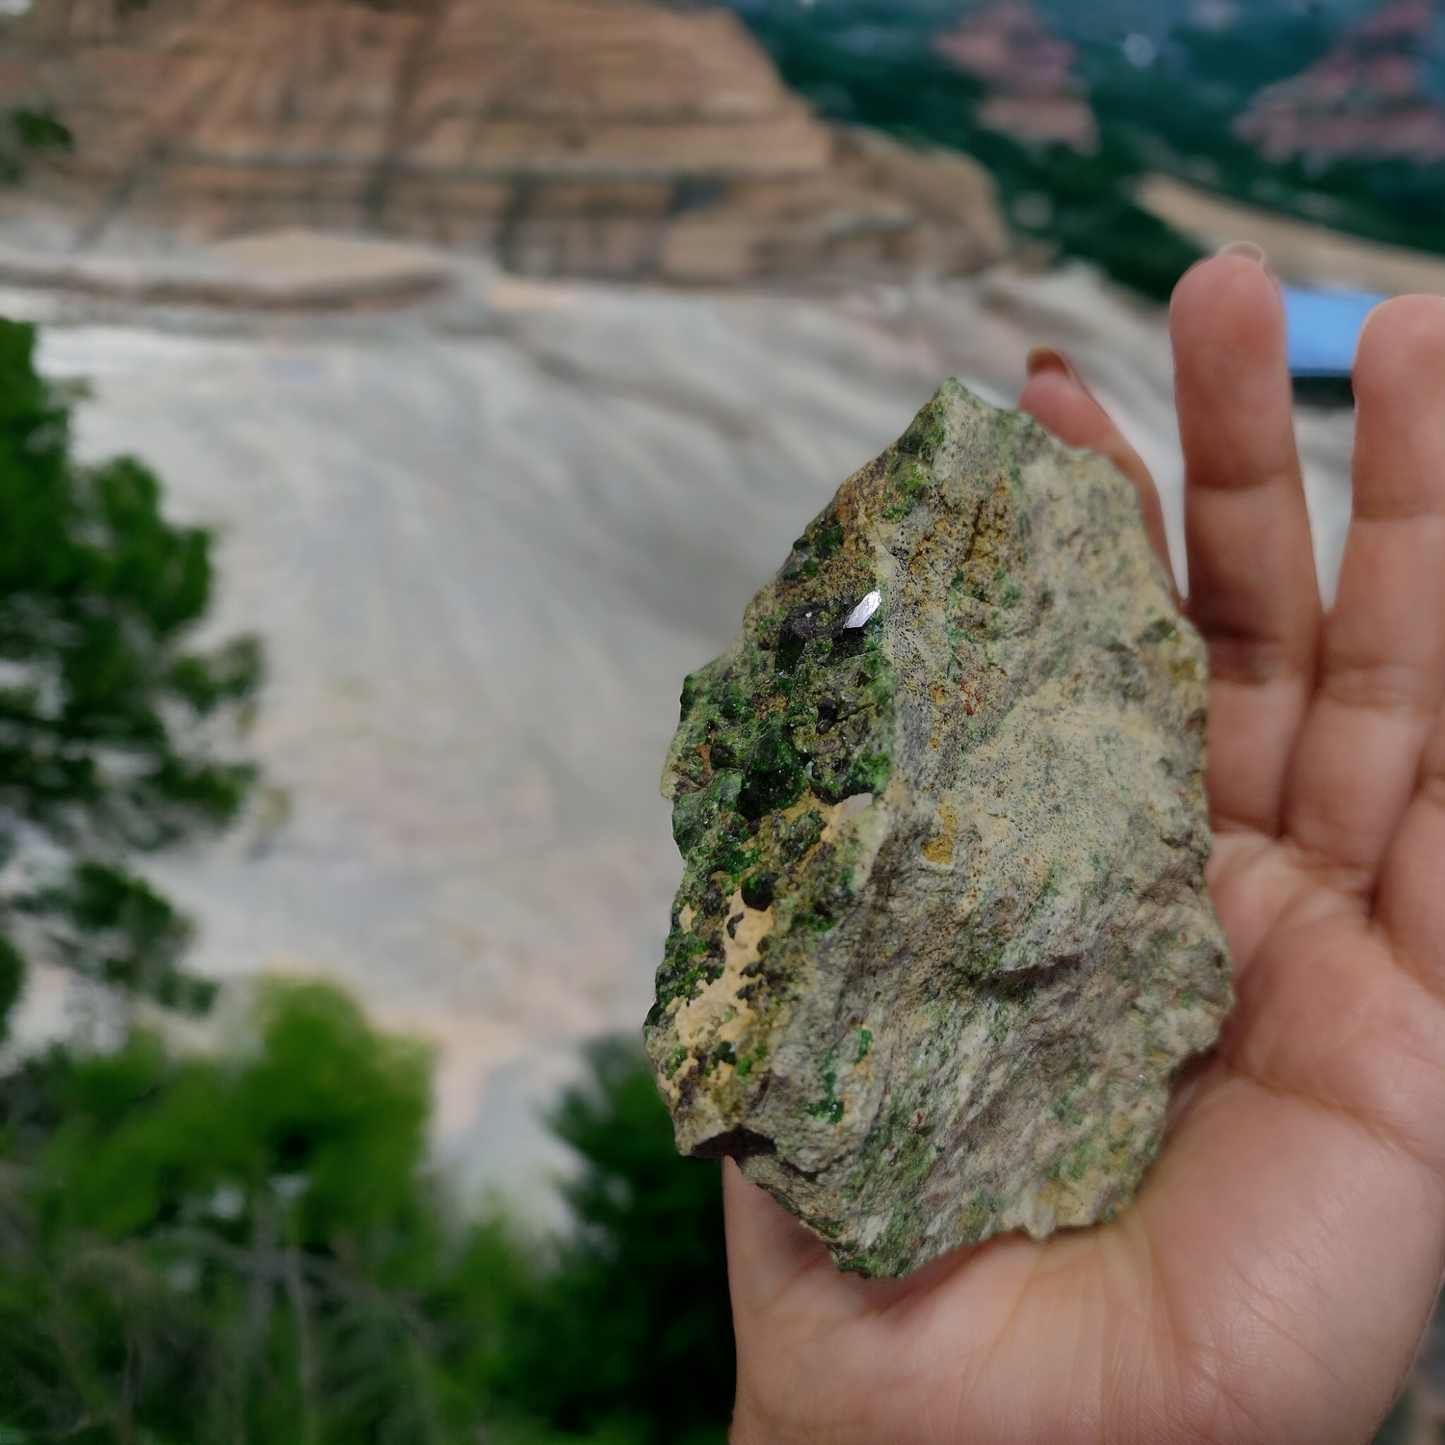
(483, 542)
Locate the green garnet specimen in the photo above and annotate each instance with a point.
(943, 939)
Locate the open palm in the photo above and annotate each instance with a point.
(1272, 1278)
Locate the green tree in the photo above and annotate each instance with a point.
(109, 737)
(1080, 204)
(252, 1248)
(222, 1249)
(629, 1333)
(25, 133)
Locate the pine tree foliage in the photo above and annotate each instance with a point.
(251, 1248)
(219, 1250)
(109, 744)
(632, 1332)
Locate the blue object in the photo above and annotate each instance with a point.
(1323, 329)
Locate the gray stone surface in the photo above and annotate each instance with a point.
(943, 938)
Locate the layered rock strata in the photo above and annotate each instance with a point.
(943, 938)
(1377, 96)
(611, 138)
(1032, 91)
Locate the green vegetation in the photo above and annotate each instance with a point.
(24, 132)
(1079, 204)
(112, 730)
(628, 1334)
(250, 1247)
(1178, 117)
(869, 62)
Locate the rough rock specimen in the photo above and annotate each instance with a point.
(942, 938)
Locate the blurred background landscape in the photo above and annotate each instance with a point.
(479, 359)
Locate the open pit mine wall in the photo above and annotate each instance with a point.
(608, 138)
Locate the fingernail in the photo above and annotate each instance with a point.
(1247, 249)
(1045, 358)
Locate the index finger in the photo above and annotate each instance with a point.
(1059, 401)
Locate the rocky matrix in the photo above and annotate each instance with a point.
(943, 938)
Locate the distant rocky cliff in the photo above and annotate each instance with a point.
(1377, 95)
(593, 137)
(1033, 93)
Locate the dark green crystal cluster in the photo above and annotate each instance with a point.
(791, 722)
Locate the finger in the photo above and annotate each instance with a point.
(1059, 401)
(1253, 593)
(1382, 660)
(768, 1250)
(1410, 902)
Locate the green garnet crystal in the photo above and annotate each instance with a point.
(943, 939)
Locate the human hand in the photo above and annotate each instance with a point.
(1273, 1276)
